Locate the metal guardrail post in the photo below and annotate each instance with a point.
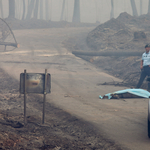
(44, 96)
(25, 76)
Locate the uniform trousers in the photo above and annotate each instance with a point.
(144, 72)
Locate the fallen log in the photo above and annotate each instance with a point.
(108, 53)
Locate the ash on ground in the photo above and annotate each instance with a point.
(62, 131)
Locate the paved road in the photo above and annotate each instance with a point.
(74, 85)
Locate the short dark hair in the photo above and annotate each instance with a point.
(147, 45)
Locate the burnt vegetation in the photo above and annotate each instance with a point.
(61, 131)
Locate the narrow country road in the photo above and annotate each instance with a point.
(74, 85)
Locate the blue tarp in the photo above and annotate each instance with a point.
(138, 92)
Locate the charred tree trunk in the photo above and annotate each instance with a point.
(47, 9)
(41, 9)
(1, 9)
(134, 10)
(28, 3)
(76, 13)
(18, 9)
(50, 9)
(24, 10)
(36, 9)
(30, 9)
(112, 9)
(141, 9)
(11, 9)
(63, 10)
(96, 10)
(149, 7)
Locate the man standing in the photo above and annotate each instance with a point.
(145, 67)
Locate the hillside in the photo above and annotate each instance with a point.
(123, 34)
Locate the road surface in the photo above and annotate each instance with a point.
(74, 85)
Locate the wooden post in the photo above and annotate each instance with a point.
(25, 76)
(44, 96)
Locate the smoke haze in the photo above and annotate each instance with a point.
(91, 10)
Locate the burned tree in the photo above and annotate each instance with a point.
(47, 9)
(96, 8)
(141, 9)
(112, 9)
(41, 9)
(30, 9)
(76, 13)
(134, 10)
(36, 9)
(1, 9)
(63, 10)
(50, 7)
(11, 9)
(149, 7)
(24, 9)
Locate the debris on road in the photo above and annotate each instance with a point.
(7, 37)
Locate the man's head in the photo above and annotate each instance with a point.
(147, 48)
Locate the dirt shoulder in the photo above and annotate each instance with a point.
(61, 131)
